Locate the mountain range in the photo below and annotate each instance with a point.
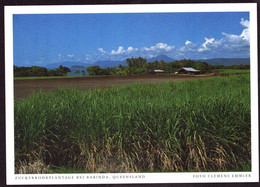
(102, 64)
(105, 64)
(160, 57)
(66, 63)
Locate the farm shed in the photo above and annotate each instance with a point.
(188, 71)
(157, 71)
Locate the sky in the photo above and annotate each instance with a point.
(41, 39)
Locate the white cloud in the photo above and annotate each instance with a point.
(229, 45)
(208, 42)
(70, 55)
(102, 50)
(130, 49)
(246, 32)
(245, 35)
(244, 23)
(160, 47)
(120, 50)
(188, 42)
(187, 50)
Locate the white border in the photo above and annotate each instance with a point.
(191, 177)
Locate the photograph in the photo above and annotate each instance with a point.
(131, 94)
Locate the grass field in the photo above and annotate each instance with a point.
(25, 87)
(198, 125)
(223, 72)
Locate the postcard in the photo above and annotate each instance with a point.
(118, 94)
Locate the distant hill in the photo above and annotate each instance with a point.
(159, 58)
(78, 66)
(68, 64)
(226, 61)
(105, 64)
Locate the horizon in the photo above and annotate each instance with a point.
(97, 63)
(87, 38)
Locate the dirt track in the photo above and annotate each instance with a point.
(23, 88)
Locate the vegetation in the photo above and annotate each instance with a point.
(201, 125)
(134, 66)
(96, 70)
(39, 71)
(36, 167)
(141, 66)
(241, 66)
(224, 72)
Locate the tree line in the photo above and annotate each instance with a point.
(141, 66)
(34, 71)
(134, 66)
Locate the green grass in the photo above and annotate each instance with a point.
(201, 125)
(224, 72)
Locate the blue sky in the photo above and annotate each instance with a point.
(49, 38)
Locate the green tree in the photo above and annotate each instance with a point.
(139, 70)
(148, 67)
(162, 64)
(112, 71)
(170, 67)
(53, 73)
(200, 65)
(128, 70)
(94, 70)
(156, 65)
(63, 70)
(39, 71)
(22, 71)
(30, 71)
(120, 66)
(136, 62)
